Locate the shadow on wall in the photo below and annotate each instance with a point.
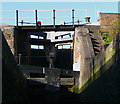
(104, 60)
(106, 88)
(39, 94)
(103, 85)
(64, 59)
(13, 82)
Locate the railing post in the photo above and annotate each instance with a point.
(36, 17)
(19, 59)
(54, 18)
(73, 16)
(17, 18)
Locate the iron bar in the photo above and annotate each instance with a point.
(54, 18)
(26, 10)
(64, 10)
(31, 56)
(73, 16)
(17, 18)
(44, 17)
(63, 17)
(19, 59)
(36, 17)
(44, 10)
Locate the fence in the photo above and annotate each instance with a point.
(73, 14)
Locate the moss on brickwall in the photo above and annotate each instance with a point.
(74, 89)
(105, 89)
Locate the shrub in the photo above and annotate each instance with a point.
(106, 38)
(74, 89)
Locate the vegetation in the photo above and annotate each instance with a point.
(106, 38)
(74, 89)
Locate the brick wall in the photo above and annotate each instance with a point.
(107, 20)
(8, 32)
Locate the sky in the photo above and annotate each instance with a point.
(91, 7)
(60, 1)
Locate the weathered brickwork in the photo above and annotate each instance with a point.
(8, 32)
(107, 20)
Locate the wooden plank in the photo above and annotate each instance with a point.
(66, 81)
(37, 81)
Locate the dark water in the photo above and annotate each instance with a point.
(38, 94)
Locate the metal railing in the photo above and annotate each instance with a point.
(36, 17)
(26, 60)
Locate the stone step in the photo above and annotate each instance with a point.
(95, 36)
(96, 40)
(97, 48)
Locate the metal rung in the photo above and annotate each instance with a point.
(44, 17)
(63, 10)
(44, 10)
(63, 17)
